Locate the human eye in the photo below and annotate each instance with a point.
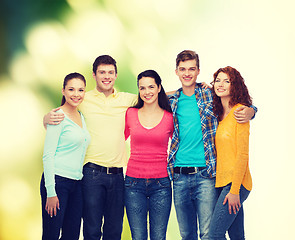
(217, 80)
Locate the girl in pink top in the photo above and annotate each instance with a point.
(147, 186)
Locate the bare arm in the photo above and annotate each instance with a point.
(171, 92)
(53, 118)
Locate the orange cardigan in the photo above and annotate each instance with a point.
(232, 146)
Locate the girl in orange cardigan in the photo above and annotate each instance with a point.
(233, 179)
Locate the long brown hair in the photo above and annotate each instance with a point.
(238, 91)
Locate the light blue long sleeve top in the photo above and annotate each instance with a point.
(64, 151)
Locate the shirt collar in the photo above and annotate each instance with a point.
(115, 92)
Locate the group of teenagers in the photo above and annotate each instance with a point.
(193, 142)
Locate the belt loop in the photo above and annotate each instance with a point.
(196, 170)
(108, 171)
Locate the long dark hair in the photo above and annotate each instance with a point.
(238, 91)
(162, 97)
(68, 78)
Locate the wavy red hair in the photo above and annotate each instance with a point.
(238, 91)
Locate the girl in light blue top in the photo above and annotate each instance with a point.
(63, 157)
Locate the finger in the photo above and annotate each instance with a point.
(54, 122)
(225, 200)
(47, 208)
(240, 108)
(241, 121)
(50, 212)
(58, 117)
(229, 208)
(57, 205)
(235, 209)
(239, 114)
(54, 211)
(55, 109)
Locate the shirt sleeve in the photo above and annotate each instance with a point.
(127, 129)
(172, 126)
(50, 146)
(242, 146)
(255, 111)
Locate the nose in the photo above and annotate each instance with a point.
(147, 91)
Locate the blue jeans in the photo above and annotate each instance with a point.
(195, 197)
(151, 196)
(222, 221)
(103, 203)
(68, 218)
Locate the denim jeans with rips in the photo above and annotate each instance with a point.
(148, 197)
(195, 197)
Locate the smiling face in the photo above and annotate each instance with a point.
(222, 85)
(74, 92)
(148, 90)
(105, 78)
(187, 71)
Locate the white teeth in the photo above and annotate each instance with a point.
(148, 97)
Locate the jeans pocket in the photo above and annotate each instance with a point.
(164, 182)
(205, 174)
(175, 177)
(130, 182)
(60, 179)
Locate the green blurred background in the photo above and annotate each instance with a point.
(43, 40)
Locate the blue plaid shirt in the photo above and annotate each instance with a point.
(208, 123)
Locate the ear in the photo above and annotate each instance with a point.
(93, 75)
(63, 91)
(160, 87)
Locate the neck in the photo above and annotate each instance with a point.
(188, 91)
(225, 105)
(68, 108)
(151, 107)
(107, 92)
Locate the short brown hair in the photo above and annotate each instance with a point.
(187, 55)
(104, 59)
